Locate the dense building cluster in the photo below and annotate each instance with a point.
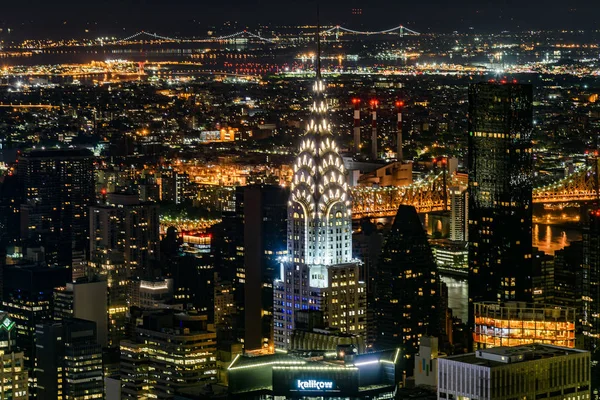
(283, 228)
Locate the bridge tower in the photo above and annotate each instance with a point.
(141, 65)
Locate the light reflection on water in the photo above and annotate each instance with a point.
(547, 238)
(458, 296)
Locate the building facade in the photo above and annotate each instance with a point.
(84, 300)
(57, 189)
(14, 376)
(171, 351)
(590, 290)
(530, 371)
(127, 230)
(28, 296)
(515, 324)
(265, 229)
(500, 167)
(407, 298)
(459, 213)
(69, 363)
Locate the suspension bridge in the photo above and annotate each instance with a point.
(337, 31)
(432, 194)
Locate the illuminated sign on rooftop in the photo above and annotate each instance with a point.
(7, 324)
(313, 384)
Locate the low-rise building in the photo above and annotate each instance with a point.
(523, 372)
(518, 323)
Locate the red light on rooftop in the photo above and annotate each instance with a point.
(355, 101)
(399, 104)
(103, 191)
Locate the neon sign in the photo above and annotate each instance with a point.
(313, 384)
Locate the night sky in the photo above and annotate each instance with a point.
(46, 18)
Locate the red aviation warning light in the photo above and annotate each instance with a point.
(399, 104)
(355, 101)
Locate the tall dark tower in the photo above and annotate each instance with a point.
(407, 296)
(500, 185)
(590, 293)
(57, 189)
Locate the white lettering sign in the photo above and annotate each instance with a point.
(313, 384)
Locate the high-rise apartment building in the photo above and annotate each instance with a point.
(57, 189)
(175, 187)
(500, 192)
(14, 376)
(124, 230)
(68, 361)
(319, 272)
(170, 352)
(459, 213)
(407, 287)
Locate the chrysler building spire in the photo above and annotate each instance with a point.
(319, 212)
(319, 246)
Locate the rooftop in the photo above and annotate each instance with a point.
(313, 360)
(499, 356)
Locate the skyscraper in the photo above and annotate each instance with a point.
(265, 212)
(500, 192)
(407, 292)
(28, 296)
(57, 189)
(590, 288)
(459, 214)
(125, 229)
(319, 235)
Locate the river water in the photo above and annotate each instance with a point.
(546, 238)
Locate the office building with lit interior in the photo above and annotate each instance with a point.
(516, 323)
(500, 165)
(314, 374)
(533, 371)
(13, 374)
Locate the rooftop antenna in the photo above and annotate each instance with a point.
(318, 45)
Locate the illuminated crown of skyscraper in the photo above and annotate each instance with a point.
(319, 210)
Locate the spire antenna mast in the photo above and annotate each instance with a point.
(318, 45)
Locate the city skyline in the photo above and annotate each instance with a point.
(205, 211)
